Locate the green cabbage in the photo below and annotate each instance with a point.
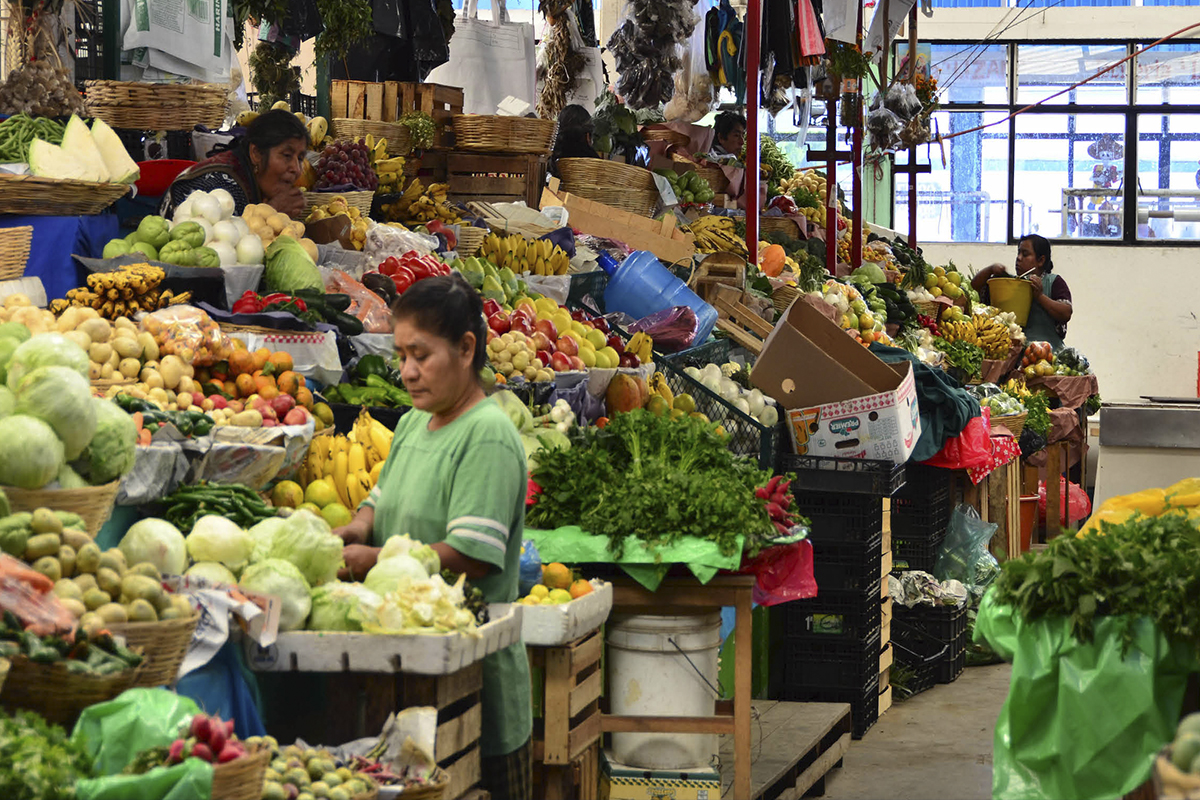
(261, 536)
(307, 541)
(14, 330)
(341, 606)
(281, 579)
(69, 479)
(8, 346)
(8, 400)
(395, 573)
(405, 545)
(62, 398)
(113, 449)
(211, 570)
(45, 350)
(30, 453)
(214, 538)
(157, 542)
(419, 607)
(872, 272)
(289, 268)
(518, 412)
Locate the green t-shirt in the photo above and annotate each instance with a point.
(464, 485)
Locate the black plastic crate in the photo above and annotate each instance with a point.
(840, 518)
(811, 662)
(832, 617)
(932, 636)
(864, 701)
(921, 508)
(847, 567)
(842, 475)
(714, 351)
(150, 146)
(915, 552)
(588, 284)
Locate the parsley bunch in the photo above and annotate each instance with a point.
(655, 478)
(1037, 406)
(40, 761)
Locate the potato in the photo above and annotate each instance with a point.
(172, 370)
(17, 300)
(49, 567)
(125, 322)
(83, 340)
(106, 371)
(114, 360)
(94, 371)
(98, 329)
(127, 347)
(66, 589)
(91, 623)
(141, 611)
(158, 396)
(113, 614)
(87, 558)
(100, 352)
(152, 378)
(149, 346)
(66, 558)
(76, 607)
(184, 399)
(108, 580)
(42, 545)
(85, 582)
(130, 367)
(70, 319)
(76, 538)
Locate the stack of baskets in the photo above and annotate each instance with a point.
(614, 184)
(93, 503)
(14, 251)
(157, 106)
(496, 134)
(399, 140)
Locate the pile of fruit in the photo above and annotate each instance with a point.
(717, 234)
(126, 290)
(688, 186)
(720, 381)
(521, 255)
(405, 271)
(1002, 404)
(336, 206)
(115, 350)
(496, 283)
(268, 225)
(943, 283)
(344, 163)
(1038, 360)
(390, 173)
(345, 468)
(95, 155)
(421, 204)
(559, 586)
(296, 773)
(858, 318)
(981, 329)
(809, 191)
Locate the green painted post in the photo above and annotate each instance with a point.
(323, 88)
(112, 41)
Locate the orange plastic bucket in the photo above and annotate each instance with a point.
(1029, 515)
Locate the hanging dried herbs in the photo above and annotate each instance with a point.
(256, 11)
(347, 22)
(272, 74)
(560, 63)
(421, 128)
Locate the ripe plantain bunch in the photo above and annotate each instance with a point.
(123, 292)
(419, 204)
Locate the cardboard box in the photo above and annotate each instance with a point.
(838, 398)
(621, 782)
(660, 237)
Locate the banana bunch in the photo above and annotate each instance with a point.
(350, 463)
(642, 346)
(658, 385)
(318, 131)
(390, 172)
(539, 256)
(1017, 388)
(959, 331)
(716, 234)
(378, 148)
(122, 292)
(422, 204)
(993, 336)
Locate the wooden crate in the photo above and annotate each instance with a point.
(660, 237)
(579, 780)
(360, 100)
(743, 326)
(495, 178)
(570, 700)
(718, 269)
(885, 623)
(439, 102)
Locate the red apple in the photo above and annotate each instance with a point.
(630, 360)
(270, 423)
(297, 416)
(568, 345)
(616, 343)
(237, 406)
(547, 327)
(499, 322)
(519, 323)
(577, 364)
(282, 404)
(545, 356)
(600, 324)
(561, 362)
(490, 307)
(542, 342)
(218, 401)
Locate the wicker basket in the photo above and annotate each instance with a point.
(656, 134)
(242, 778)
(717, 181)
(360, 200)
(14, 251)
(104, 384)
(927, 308)
(783, 225)
(494, 134)
(1014, 422)
(371, 795)
(783, 297)
(157, 106)
(399, 140)
(611, 183)
(470, 239)
(58, 694)
(434, 790)
(94, 504)
(164, 645)
(26, 194)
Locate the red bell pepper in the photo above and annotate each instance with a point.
(403, 278)
(389, 266)
(248, 303)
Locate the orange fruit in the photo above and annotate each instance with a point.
(304, 397)
(260, 357)
(289, 382)
(231, 389)
(245, 385)
(556, 576)
(241, 362)
(268, 391)
(277, 363)
(579, 588)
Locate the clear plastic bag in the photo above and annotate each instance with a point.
(884, 128)
(965, 556)
(695, 95)
(189, 333)
(364, 304)
(384, 240)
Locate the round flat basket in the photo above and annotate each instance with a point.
(470, 239)
(434, 790)
(495, 134)
(657, 134)
(399, 140)
(618, 185)
(26, 194)
(157, 106)
(360, 200)
(164, 644)
(781, 225)
(1014, 422)
(242, 778)
(58, 694)
(94, 504)
(14, 251)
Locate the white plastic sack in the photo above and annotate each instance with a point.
(314, 355)
(497, 59)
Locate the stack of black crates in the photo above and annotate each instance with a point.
(831, 648)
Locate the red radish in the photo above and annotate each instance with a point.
(202, 751)
(228, 729)
(217, 738)
(175, 755)
(229, 753)
(201, 727)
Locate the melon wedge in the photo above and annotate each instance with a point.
(77, 140)
(51, 161)
(121, 168)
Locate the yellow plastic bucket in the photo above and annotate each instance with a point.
(1013, 295)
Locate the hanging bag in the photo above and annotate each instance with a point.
(491, 59)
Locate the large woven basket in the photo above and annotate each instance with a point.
(94, 504)
(782, 225)
(26, 194)
(14, 251)
(157, 106)
(715, 176)
(1014, 422)
(360, 200)
(434, 790)
(104, 384)
(495, 134)
(614, 184)
(399, 140)
(242, 778)
(164, 644)
(927, 308)
(656, 134)
(783, 297)
(58, 694)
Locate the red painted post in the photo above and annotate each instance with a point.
(753, 39)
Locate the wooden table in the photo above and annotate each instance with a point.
(683, 596)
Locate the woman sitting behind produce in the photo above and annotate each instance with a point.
(1051, 309)
(729, 136)
(455, 479)
(574, 138)
(260, 167)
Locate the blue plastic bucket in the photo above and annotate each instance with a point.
(642, 286)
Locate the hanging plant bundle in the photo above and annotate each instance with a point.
(646, 50)
(272, 74)
(346, 23)
(40, 89)
(256, 11)
(560, 63)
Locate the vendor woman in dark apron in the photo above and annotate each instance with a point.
(1051, 309)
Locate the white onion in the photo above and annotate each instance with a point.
(184, 209)
(225, 251)
(224, 200)
(769, 416)
(741, 405)
(206, 206)
(241, 225)
(755, 399)
(713, 370)
(226, 231)
(711, 383)
(250, 250)
(692, 373)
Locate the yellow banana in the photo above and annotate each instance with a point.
(356, 459)
(381, 439)
(340, 471)
(374, 475)
(658, 385)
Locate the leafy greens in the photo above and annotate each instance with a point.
(41, 763)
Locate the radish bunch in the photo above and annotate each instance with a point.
(207, 738)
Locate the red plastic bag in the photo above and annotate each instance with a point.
(1073, 499)
(971, 449)
(783, 572)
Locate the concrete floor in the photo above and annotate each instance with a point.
(941, 738)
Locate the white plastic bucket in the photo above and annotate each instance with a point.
(650, 676)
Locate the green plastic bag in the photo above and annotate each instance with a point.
(1081, 720)
(139, 719)
(190, 780)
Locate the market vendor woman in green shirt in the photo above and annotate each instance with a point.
(455, 479)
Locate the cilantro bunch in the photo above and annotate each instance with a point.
(655, 478)
(40, 762)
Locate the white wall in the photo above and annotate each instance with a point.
(1135, 310)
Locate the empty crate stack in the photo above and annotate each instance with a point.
(832, 648)
(920, 517)
(931, 641)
